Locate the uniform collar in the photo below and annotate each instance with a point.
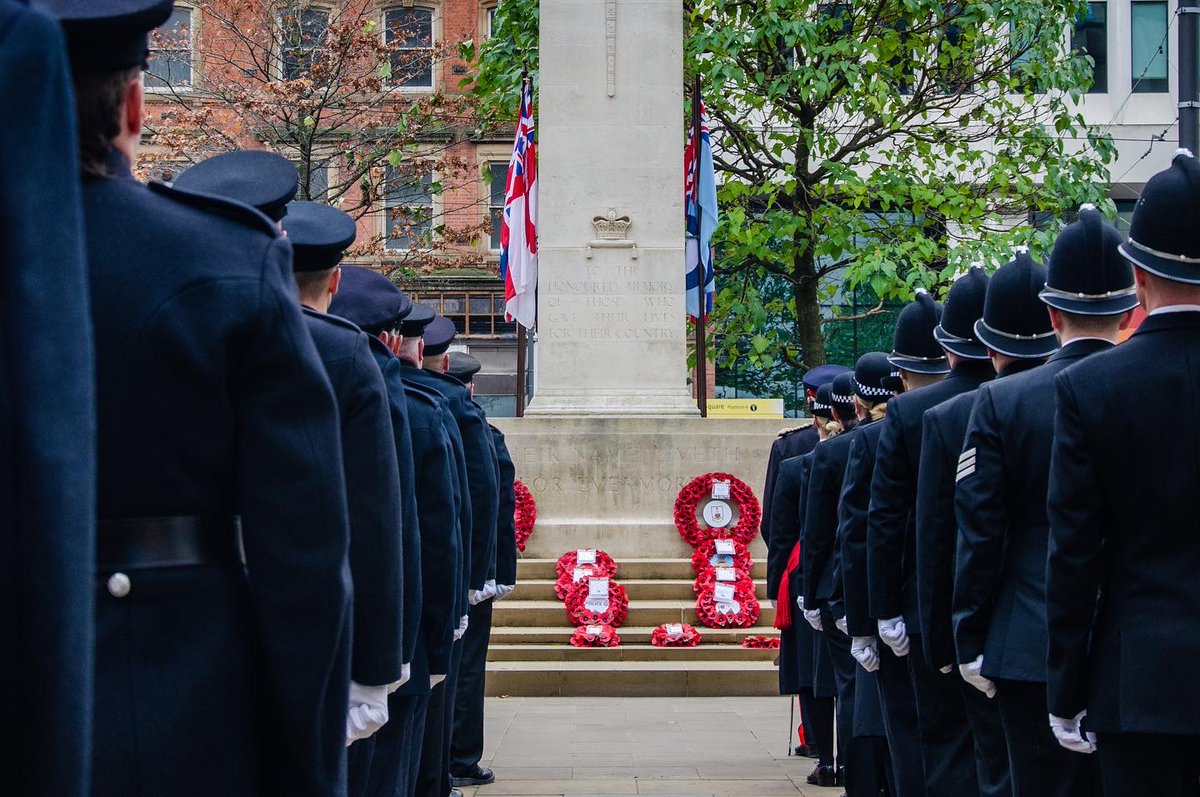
(1017, 366)
(117, 165)
(1176, 308)
(1077, 348)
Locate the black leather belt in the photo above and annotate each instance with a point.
(180, 541)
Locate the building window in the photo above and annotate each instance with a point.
(409, 33)
(170, 61)
(1090, 37)
(490, 23)
(314, 180)
(303, 38)
(499, 172)
(408, 203)
(1148, 34)
(474, 313)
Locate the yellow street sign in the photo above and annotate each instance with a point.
(745, 408)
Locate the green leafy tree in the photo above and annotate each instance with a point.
(884, 144)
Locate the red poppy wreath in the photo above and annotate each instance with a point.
(761, 642)
(567, 581)
(597, 601)
(726, 606)
(707, 557)
(699, 499)
(599, 561)
(675, 635)
(595, 636)
(712, 576)
(525, 515)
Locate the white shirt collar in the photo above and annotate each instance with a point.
(1176, 308)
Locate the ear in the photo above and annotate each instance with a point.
(335, 281)
(1056, 319)
(132, 109)
(421, 350)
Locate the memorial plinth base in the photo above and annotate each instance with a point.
(612, 403)
(611, 482)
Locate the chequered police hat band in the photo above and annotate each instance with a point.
(840, 399)
(873, 392)
(816, 405)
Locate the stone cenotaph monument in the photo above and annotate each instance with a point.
(612, 432)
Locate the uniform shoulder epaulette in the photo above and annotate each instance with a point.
(228, 208)
(333, 320)
(792, 430)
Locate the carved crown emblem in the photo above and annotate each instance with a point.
(612, 227)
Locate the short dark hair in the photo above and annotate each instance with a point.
(98, 98)
(313, 283)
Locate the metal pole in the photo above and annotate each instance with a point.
(1189, 75)
(520, 370)
(701, 320)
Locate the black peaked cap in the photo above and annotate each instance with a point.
(256, 178)
(822, 375)
(1015, 321)
(914, 347)
(463, 366)
(872, 374)
(438, 335)
(370, 300)
(1164, 237)
(320, 235)
(413, 325)
(964, 306)
(108, 35)
(822, 405)
(1087, 274)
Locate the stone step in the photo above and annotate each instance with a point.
(637, 589)
(679, 569)
(705, 651)
(630, 634)
(679, 678)
(551, 613)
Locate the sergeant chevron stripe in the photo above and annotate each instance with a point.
(966, 464)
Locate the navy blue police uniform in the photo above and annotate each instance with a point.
(432, 544)
(1121, 590)
(902, 748)
(319, 235)
(874, 768)
(466, 739)
(891, 554)
(47, 421)
(822, 584)
(944, 428)
(213, 676)
(506, 532)
(1000, 612)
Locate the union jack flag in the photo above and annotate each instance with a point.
(700, 209)
(518, 223)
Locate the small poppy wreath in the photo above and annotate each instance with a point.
(605, 565)
(745, 615)
(567, 581)
(687, 636)
(525, 514)
(579, 614)
(698, 490)
(708, 579)
(595, 636)
(706, 554)
(761, 643)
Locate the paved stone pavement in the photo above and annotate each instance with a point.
(620, 746)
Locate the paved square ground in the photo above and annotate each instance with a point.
(618, 746)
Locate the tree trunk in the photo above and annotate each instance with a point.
(808, 310)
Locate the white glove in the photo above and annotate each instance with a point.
(405, 677)
(865, 652)
(894, 634)
(462, 628)
(434, 680)
(813, 616)
(841, 625)
(504, 590)
(971, 674)
(477, 596)
(1070, 733)
(949, 668)
(368, 711)
(489, 589)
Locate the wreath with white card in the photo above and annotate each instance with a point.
(598, 561)
(595, 636)
(722, 575)
(722, 553)
(728, 606)
(524, 514)
(717, 506)
(675, 635)
(597, 601)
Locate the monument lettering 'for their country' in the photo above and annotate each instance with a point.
(613, 433)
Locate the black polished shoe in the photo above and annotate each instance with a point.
(839, 777)
(822, 776)
(457, 793)
(476, 776)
